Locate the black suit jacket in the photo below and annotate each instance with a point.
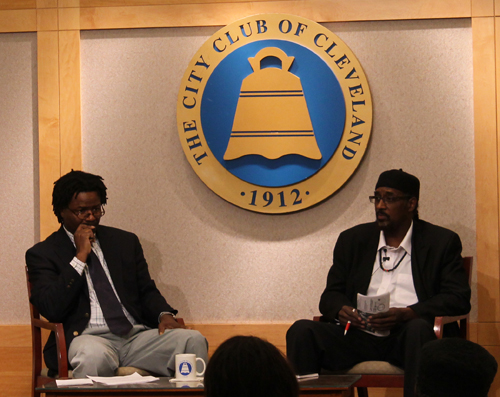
(439, 277)
(61, 295)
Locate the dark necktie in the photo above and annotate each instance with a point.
(110, 305)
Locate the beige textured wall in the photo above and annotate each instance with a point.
(18, 187)
(218, 263)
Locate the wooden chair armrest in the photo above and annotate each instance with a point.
(45, 324)
(440, 321)
(62, 355)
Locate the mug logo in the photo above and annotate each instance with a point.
(185, 368)
(274, 113)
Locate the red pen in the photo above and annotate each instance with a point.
(348, 323)
(347, 327)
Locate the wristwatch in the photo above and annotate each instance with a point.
(162, 313)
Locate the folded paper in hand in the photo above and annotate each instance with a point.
(368, 305)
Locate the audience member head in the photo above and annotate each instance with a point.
(70, 185)
(247, 366)
(454, 367)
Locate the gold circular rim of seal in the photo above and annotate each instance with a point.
(357, 129)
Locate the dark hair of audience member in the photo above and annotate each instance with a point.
(454, 367)
(247, 366)
(73, 183)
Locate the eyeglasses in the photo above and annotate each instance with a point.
(387, 199)
(84, 213)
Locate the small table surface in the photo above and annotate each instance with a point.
(325, 385)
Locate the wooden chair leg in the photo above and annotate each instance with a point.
(362, 391)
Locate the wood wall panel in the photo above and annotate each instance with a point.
(473, 332)
(15, 336)
(488, 334)
(163, 15)
(17, 21)
(69, 69)
(115, 3)
(17, 4)
(214, 14)
(495, 387)
(15, 384)
(487, 169)
(69, 3)
(482, 8)
(47, 19)
(69, 18)
(366, 10)
(60, 117)
(46, 3)
(48, 125)
(19, 359)
(218, 333)
(15, 365)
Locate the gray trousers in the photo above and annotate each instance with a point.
(98, 352)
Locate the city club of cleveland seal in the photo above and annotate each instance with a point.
(274, 113)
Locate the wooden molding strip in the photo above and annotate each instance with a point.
(483, 8)
(222, 13)
(15, 21)
(17, 4)
(48, 126)
(19, 15)
(485, 127)
(70, 104)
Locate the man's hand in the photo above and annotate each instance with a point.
(348, 313)
(388, 320)
(84, 237)
(168, 322)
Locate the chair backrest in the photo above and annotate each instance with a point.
(467, 261)
(36, 336)
(462, 320)
(37, 324)
(33, 311)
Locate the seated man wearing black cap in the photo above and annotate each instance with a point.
(417, 263)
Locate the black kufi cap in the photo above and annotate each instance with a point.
(400, 180)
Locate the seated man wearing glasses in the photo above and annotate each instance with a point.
(95, 280)
(417, 263)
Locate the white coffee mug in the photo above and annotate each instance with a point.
(185, 366)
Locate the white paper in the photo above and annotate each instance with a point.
(123, 380)
(73, 382)
(308, 376)
(368, 305)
